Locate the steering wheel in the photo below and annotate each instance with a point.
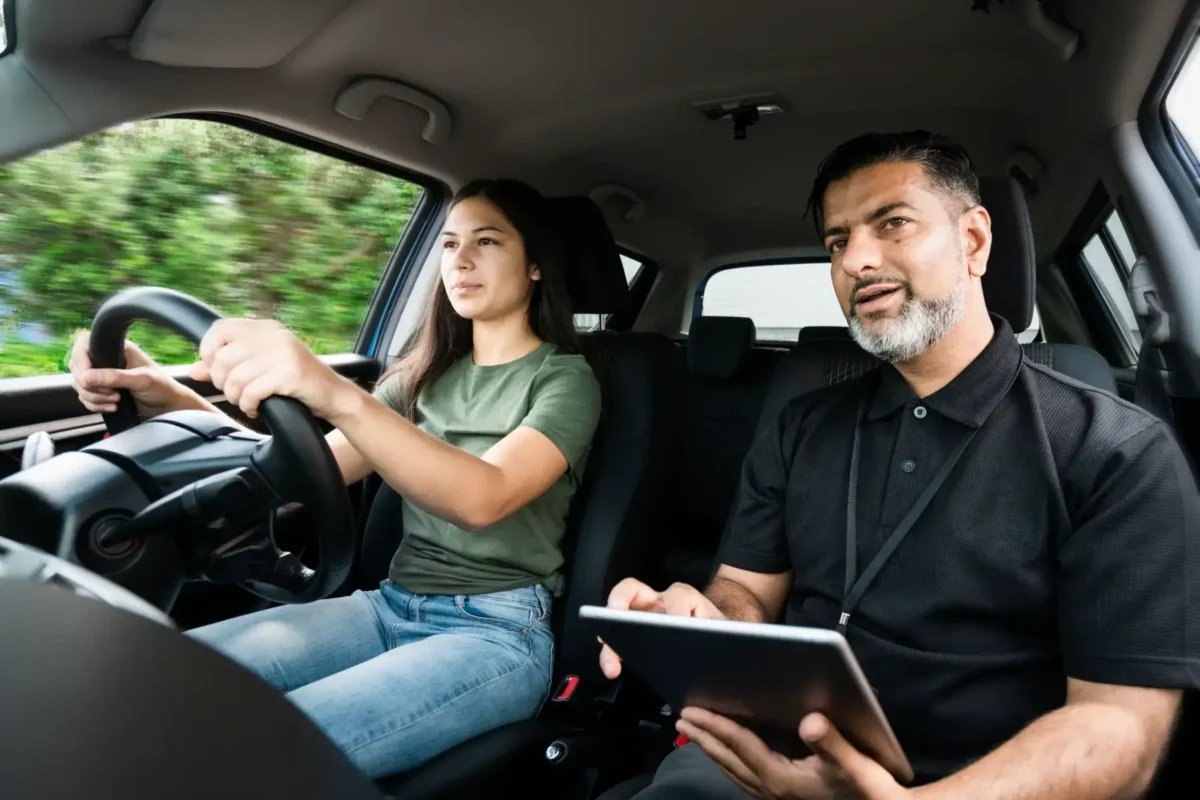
(294, 465)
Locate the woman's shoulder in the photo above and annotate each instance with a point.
(559, 365)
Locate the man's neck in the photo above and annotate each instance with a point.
(502, 340)
(942, 363)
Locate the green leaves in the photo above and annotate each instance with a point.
(246, 223)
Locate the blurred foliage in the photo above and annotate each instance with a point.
(248, 224)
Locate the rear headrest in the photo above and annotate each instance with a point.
(1008, 284)
(718, 347)
(595, 277)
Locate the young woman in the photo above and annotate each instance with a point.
(483, 428)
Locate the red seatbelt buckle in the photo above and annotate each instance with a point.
(681, 740)
(566, 688)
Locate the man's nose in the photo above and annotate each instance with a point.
(861, 256)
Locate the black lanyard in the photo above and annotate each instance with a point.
(856, 587)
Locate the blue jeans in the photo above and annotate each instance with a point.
(394, 678)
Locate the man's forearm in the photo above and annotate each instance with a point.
(734, 601)
(1081, 751)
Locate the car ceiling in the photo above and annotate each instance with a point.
(575, 95)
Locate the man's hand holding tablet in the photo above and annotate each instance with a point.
(633, 595)
(837, 769)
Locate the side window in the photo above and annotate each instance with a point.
(596, 322)
(1108, 258)
(4, 37)
(249, 224)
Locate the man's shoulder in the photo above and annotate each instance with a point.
(1086, 414)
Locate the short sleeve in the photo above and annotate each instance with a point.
(388, 392)
(1129, 573)
(755, 538)
(565, 407)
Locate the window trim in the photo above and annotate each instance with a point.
(398, 274)
(1179, 166)
(1102, 321)
(639, 291)
(698, 295)
(10, 27)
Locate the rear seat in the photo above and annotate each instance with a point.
(723, 380)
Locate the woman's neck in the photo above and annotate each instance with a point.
(502, 340)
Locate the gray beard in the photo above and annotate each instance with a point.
(920, 325)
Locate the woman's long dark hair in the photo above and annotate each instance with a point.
(445, 337)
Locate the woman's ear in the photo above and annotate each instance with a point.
(535, 274)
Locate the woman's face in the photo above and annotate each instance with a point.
(485, 269)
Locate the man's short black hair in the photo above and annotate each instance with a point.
(945, 161)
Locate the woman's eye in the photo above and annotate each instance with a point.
(486, 241)
(449, 245)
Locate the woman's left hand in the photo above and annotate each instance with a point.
(250, 360)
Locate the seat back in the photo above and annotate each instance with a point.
(724, 379)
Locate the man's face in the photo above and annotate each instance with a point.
(899, 247)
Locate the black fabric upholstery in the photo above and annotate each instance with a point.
(718, 347)
(506, 755)
(1008, 284)
(1083, 364)
(595, 278)
(720, 409)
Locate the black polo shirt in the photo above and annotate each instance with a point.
(1064, 543)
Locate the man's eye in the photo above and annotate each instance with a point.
(837, 245)
(895, 222)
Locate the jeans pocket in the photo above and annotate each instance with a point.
(487, 609)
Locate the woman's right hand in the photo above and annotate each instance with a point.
(153, 390)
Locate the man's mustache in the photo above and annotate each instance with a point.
(863, 283)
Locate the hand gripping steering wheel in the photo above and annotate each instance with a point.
(294, 465)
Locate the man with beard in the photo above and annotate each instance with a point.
(1009, 552)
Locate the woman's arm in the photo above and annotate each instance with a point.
(472, 492)
(251, 360)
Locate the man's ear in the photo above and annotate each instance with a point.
(976, 232)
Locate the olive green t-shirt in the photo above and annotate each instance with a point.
(472, 408)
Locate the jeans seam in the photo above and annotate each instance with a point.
(524, 665)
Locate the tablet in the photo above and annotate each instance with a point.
(767, 677)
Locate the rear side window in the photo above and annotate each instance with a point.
(4, 37)
(251, 225)
(783, 298)
(1108, 257)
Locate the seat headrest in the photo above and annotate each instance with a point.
(719, 347)
(595, 277)
(1009, 283)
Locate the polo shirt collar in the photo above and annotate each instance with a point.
(972, 395)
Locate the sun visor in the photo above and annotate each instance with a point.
(232, 34)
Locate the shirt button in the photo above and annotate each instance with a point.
(908, 466)
(919, 412)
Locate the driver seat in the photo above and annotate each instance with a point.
(613, 520)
